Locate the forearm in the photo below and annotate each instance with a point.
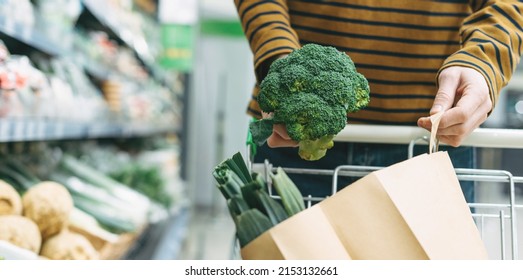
(266, 25)
(491, 42)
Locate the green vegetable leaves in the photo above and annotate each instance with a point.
(251, 207)
(261, 130)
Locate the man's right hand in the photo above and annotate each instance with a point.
(279, 137)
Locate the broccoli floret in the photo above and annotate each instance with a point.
(308, 117)
(311, 91)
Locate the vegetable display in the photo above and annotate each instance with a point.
(69, 246)
(310, 91)
(10, 201)
(70, 211)
(48, 204)
(251, 207)
(20, 231)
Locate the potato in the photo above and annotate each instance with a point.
(68, 246)
(21, 232)
(10, 201)
(48, 204)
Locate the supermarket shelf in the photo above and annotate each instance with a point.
(104, 19)
(29, 37)
(95, 69)
(38, 130)
(105, 16)
(15, 35)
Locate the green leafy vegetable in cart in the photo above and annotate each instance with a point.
(251, 207)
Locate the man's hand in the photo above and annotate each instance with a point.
(464, 95)
(280, 137)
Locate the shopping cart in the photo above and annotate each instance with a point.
(496, 220)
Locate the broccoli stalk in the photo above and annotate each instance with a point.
(311, 91)
(315, 149)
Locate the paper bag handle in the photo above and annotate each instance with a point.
(434, 141)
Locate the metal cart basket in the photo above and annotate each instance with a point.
(496, 220)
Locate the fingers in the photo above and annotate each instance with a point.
(267, 115)
(454, 132)
(449, 81)
(280, 137)
(471, 102)
(448, 85)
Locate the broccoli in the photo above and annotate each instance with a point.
(310, 91)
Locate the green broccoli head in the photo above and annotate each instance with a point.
(311, 91)
(308, 117)
(361, 92)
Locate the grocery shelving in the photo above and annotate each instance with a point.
(149, 101)
(13, 130)
(104, 16)
(97, 16)
(21, 39)
(29, 37)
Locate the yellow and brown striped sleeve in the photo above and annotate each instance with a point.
(491, 39)
(267, 26)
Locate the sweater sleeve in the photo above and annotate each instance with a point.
(267, 26)
(491, 41)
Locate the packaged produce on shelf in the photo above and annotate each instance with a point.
(131, 94)
(56, 19)
(11, 82)
(63, 92)
(128, 24)
(4, 52)
(19, 12)
(76, 96)
(99, 48)
(142, 103)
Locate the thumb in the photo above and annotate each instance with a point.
(448, 84)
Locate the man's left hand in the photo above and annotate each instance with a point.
(464, 96)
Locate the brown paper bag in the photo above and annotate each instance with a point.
(411, 210)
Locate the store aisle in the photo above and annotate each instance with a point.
(210, 236)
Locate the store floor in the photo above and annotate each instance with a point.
(210, 236)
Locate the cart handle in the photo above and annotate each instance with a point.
(396, 134)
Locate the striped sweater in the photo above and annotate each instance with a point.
(399, 45)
